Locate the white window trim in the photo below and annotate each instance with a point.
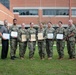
(55, 16)
(15, 12)
(73, 15)
(41, 7)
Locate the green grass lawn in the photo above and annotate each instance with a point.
(37, 66)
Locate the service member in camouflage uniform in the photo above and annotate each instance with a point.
(41, 42)
(22, 41)
(71, 31)
(75, 34)
(60, 42)
(49, 41)
(13, 40)
(31, 44)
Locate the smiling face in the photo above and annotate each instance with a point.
(23, 25)
(41, 25)
(70, 22)
(5, 22)
(49, 25)
(31, 25)
(14, 22)
(59, 24)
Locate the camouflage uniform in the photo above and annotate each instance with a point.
(13, 41)
(75, 34)
(22, 45)
(60, 43)
(31, 44)
(41, 44)
(71, 42)
(49, 42)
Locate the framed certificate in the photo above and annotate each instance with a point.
(50, 36)
(33, 37)
(40, 36)
(23, 38)
(59, 36)
(14, 34)
(6, 36)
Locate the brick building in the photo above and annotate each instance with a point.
(43, 10)
(39, 11)
(5, 14)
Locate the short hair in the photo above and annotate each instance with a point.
(14, 19)
(49, 22)
(31, 22)
(41, 23)
(71, 20)
(60, 22)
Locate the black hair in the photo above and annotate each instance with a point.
(50, 22)
(14, 19)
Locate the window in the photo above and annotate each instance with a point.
(15, 10)
(26, 11)
(55, 12)
(49, 12)
(5, 3)
(62, 12)
(74, 12)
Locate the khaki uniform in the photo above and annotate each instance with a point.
(22, 44)
(71, 41)
(31, 44)
(49, 42)
(13, 41)
(60, 43)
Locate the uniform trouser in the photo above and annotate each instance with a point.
(49, 47)
(71, 48)
(31, 46)
(22, 48)
(13, 47)
(4, 52)
(60, 47)
(41, 48)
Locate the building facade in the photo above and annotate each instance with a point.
(43, 10)
(6, 3)
(5, 14)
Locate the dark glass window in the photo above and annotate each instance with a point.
(6, 3)
(55, 12)
(26, 11)
(74, 12)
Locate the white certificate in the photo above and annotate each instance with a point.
(23, 38)
(14, 34)
(33, 37)
(50, 36)
(59, 36)
(40, 36)
(6, 36)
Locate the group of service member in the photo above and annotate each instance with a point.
(43, 37)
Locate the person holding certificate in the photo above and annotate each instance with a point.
(41, 42)
(22, 38)
(71, 31)
(60, 40)
(4, 33)
(13, 39)
(49, 34)
(31, 40)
